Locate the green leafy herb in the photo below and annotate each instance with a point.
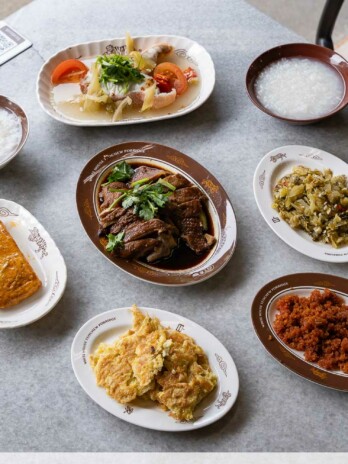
(114, 241)
(118, 69)
(146, 199)
(166, 184)
(140, 182)
(120, 173)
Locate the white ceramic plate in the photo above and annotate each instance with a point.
(278, 163)
(44, 257)
(108, 326)
(189, 52)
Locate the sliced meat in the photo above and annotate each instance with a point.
(138, 248)
(187, 194)
(108, 219)
(156, 238)
(164, 249)
(147, 172)
(117, 185)
(145, 229)
(192, 232)
(177, 180)
(125, 220)
(107, 197)
(191, 208)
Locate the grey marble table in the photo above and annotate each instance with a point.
(42, 406)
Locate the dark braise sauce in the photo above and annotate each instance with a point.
(182, 256)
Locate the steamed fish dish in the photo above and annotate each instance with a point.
(316, 202)
(115, 84)
(154, 362)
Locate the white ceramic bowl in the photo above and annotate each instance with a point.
(14, 108)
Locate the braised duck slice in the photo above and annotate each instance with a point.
(107, 197)
(177, 180)
(137, 248)
(187, 194)
(109, 218)
(164, 249)
(192, 233)
(147, 172)
(191, 208)
(143, 229)
(122, 222)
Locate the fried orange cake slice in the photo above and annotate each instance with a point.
(18, 280)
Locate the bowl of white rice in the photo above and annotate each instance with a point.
(14, 130)
(299, 83)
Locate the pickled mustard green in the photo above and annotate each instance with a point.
(316, 202)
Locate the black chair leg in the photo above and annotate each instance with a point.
(327, 23)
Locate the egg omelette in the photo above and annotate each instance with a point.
(152, 361)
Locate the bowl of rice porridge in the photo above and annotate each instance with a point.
(299, 83)
(14, 130)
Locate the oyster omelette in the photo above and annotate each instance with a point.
(157, 363)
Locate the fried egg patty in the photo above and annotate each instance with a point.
(155, 362)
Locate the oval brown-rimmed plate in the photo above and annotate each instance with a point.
(219, 206)
(263, 313)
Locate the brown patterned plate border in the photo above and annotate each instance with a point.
(221, 208)
(283, 354)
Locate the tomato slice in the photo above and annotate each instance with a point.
(174, 74)
(69, 71)
(163, 83)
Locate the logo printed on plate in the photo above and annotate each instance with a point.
(279, 156)
(225, 396)
(40, 242)
(5, 212)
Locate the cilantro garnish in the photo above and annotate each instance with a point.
(118, 69)
(120, 173)
(146, 199)
(114, 241)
